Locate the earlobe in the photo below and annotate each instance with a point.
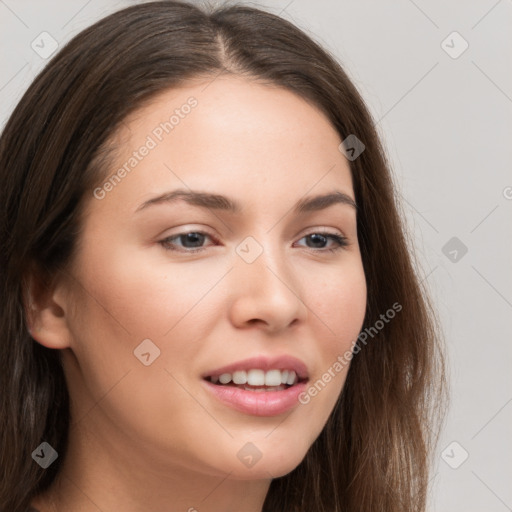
(45, 311)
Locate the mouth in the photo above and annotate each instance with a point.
(257, 380)
(259, 386)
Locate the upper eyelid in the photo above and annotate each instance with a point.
(311, 232)
(320, 230)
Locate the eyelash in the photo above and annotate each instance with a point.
(340, 240)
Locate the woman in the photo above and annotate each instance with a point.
(286, 360)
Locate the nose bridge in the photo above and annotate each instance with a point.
(263, 258)
(265, 285)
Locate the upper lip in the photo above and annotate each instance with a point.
(284, 362)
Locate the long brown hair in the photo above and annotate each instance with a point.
(374, 452)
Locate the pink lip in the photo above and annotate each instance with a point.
(263, 403)
(263, 363)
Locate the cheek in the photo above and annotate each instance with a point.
(125, 298)
(144, 296)
(338, 301)
(120, 306)
(338, 311)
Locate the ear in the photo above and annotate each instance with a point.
(45, 302)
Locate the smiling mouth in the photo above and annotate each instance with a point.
(261, 388)
(257, 380)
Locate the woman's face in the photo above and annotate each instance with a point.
(154, 314)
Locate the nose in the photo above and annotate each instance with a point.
(266, 292)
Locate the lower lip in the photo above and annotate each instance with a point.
(258, 403)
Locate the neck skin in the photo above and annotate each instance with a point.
(99, 478)
(104, 470)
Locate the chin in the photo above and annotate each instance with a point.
(274, 466)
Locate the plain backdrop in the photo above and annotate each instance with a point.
(436, 76)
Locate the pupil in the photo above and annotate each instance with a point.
(189, 237)
(315, 237)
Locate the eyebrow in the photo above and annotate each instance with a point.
(220, 202)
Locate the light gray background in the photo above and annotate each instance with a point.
(447, 126)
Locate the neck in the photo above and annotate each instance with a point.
(95, 478)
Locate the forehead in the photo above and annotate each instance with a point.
(260, 141)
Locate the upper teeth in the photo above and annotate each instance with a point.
(258, 377)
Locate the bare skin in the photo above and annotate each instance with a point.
(153, 437)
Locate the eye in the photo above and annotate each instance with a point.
(320, 237)
(192, 241)
(189, 237)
